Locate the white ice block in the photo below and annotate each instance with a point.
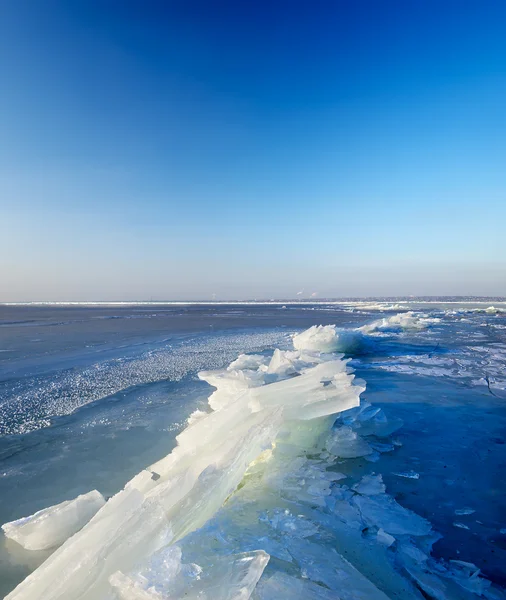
(51, 526)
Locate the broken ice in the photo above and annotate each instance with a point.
(51, 526)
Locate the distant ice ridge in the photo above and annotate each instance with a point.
(251, 504)
(375, 306)
(329, 338)
(51, 526)
(399, 322)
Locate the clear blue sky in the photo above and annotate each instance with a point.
(177, 150)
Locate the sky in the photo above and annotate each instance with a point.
(171, 150)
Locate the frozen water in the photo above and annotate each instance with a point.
(51, 526)
(179, 493)
(276, 465)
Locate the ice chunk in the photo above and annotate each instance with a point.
(384, 538)
(328, 338)
(407, 474)
(285, 522)
(382, 447)
(287, 363)
(51, 526)
(247, 361)
(370, 485)
(229, 383)
(348, 513)
(196, 416)
(467, 575)
(123, 530)
(345, 443)
(384, 512)
(431, 585)
(464, 511)
(460, 525)
(370, 420)
(322, 390)
(231, 577)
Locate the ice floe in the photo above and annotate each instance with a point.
(51, 526)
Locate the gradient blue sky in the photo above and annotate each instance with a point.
(177, 150)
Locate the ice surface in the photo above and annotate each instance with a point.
(66, 391)
(385, 513)
(326, 567)
(281, 585)
(384, 538)
(267, 471)
(370, 485)
(166, 577)
(180, 493)
(468, 576)
(51, 526)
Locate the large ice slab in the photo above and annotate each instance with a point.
(51, 526)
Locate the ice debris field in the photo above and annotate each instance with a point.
(253, 501)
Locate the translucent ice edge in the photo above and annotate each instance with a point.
(250, 503)
(51, 526)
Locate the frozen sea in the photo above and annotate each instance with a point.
(90, 395)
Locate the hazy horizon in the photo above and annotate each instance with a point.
(470, 299)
